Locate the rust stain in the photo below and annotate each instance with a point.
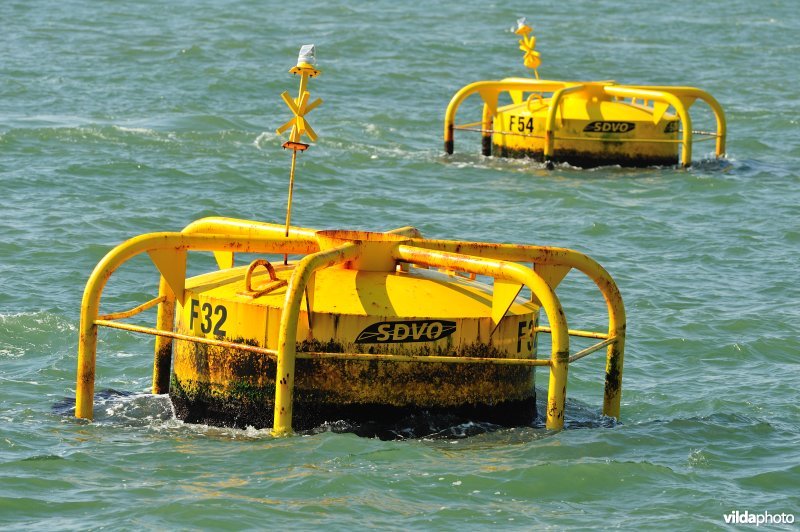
(234, 388)
(587, 160)
(613, 377)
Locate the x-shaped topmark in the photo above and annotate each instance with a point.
(298, 123)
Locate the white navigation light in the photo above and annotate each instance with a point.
(307, 55)
(522, 27)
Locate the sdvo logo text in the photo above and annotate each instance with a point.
(609, 127)
(387, 332)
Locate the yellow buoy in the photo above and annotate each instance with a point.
(584, 123)
(363, 326)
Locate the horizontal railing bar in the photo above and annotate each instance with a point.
(481, 130)
(655, 141)
(429, 358)
(178, 336)
(575, 332)
(707, 135)
(134, 311)
(467, 126)
(315, 355)
(589, 350)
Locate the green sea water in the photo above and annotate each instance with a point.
(118, 119)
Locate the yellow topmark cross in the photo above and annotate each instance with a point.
(528, 44)
(300, 106)
(299, 125)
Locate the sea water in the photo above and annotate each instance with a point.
(118, 119)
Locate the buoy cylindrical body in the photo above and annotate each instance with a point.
(416, 312)
(587, 132)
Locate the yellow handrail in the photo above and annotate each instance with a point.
(666, 97)
(692, 92)
(555, 103)
(177, 243)
(489, 92)
(287, 343)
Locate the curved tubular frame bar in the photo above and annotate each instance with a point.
(490, 92)
(666, 97)
(687, 95)
(287, 335)
(176, 245)
(550, 123)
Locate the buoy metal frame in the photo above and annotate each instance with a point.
(508, 264)
(657, 98)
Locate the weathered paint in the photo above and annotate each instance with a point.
(211, 383)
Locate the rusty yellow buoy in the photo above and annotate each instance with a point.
(584, 123)
(358, 325)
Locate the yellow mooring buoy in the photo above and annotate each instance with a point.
(362, 326)
(584, 123)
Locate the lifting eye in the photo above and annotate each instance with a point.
(273, 284)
